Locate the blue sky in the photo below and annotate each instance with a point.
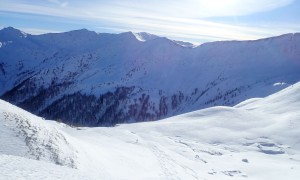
(195, 21)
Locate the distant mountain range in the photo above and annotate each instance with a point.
(86, 78)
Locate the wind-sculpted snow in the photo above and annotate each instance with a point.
(106, 79)
(24, 134)
(258, 139)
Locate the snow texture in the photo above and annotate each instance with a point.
(257, 139)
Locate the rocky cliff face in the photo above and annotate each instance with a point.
(84, 78)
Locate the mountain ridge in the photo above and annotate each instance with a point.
(117, 78)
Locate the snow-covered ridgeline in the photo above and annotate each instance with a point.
(98, 79)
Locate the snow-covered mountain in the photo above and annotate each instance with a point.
(257, 139)
(84, 78)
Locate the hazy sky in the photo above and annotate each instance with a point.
(196, 21)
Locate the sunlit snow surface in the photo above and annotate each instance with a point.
(257, 139)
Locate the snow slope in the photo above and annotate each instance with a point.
(257, 139)
(24, 134)
(20, 168)
(85, 78)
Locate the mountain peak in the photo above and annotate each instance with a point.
(10, 33)
(9, 28)
(127, 36)
(81, 32)
(144, 36)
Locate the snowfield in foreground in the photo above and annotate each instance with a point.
(257, 139)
